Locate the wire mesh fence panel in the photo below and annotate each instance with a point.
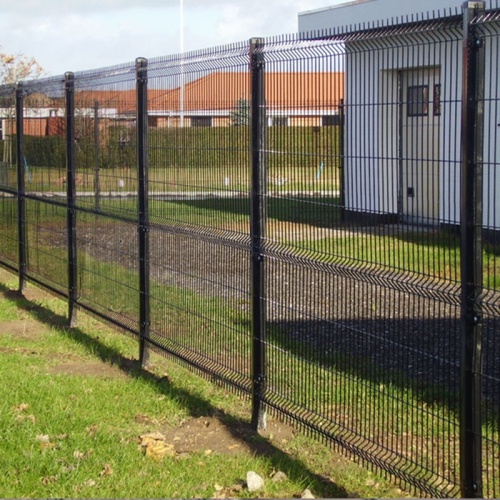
(367, 306)
(108, 257)
(198, 184)
(46, 238)
(105, 140)
(44, 138)
(487, 25)
(106, 193)
(9, 241)
(43, 169)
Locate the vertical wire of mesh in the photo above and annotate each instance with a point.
(199, 182)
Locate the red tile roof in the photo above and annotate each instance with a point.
(223, 90)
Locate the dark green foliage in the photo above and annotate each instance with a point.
(116, 147)
(187, 147)
(45, 151)
(222, 146)
(240, 116)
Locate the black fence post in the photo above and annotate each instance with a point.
(257, 230)
(71, 197)
(141, 66)
(21, 187)
(471, 255)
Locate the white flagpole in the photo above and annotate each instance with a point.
(181, 97)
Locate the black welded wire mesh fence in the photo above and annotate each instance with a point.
(198, 172)
(9, 209)
(357, 311)
(312, 220)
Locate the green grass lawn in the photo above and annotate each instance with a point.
(300, 226)
(76, 405)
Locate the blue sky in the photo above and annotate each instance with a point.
(75, 35)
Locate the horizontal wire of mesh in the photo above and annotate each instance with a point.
(362, 250)
(198, 184)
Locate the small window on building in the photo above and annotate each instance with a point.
(437, 100)
(201, 121)
(279, 121)
(1, 130)
(330, 120)
(418, 100)
(53, 112)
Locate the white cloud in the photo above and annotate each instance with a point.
(83, 34)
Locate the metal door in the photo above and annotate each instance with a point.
(419, 144)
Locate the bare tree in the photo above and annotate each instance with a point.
(13, 68)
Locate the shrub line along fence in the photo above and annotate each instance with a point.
(223, 207)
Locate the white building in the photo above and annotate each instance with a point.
(403, 99)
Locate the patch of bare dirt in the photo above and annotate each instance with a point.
(23, 329)
(33, 293)
(213, 435)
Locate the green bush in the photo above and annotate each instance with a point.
(45, 151)
(195, 147)
(211, 147)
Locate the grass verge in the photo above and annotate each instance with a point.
(76, 403)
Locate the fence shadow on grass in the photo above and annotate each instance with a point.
(320, 211)
(240, 429)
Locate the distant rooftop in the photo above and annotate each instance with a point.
(387, 12)
(345, 3)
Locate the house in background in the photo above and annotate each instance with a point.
(292, 99)
(403, 98)
(309, 99)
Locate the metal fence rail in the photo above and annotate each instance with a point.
(312, 220)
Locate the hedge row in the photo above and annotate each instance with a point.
(211, 147)
(188, 147)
